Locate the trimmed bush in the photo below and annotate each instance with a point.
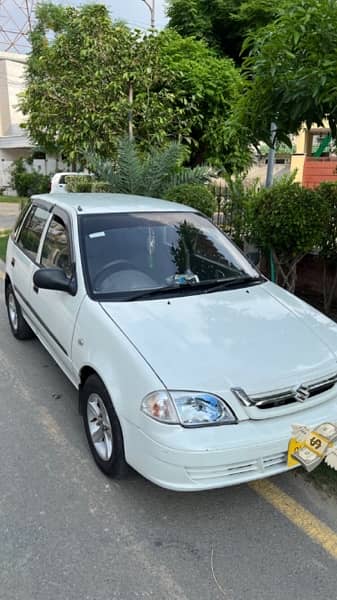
(289, 221)
(26, 183)
(79, 183)
(101, 187)
(196, 195)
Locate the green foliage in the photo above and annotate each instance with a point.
(288, 220)
(210, 87)
(79, 81)
(146, 174)
(279, 148)
(3, 244)
(223, 24)
(26, 183)
(291, 71)
(196, 195)
(327, 193)
(234, 208)
(74, 78)
(79, 183)
(100, 187)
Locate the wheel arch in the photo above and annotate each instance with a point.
(7, 282)
(85, 372)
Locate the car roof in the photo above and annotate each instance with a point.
(93, 203)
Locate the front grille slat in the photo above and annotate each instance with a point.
(235, 470)
(285, 397)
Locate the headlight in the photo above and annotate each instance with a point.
(190, 409)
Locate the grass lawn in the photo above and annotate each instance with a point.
(3, 244)
(13, 199)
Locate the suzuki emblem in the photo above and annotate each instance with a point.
(302, 393)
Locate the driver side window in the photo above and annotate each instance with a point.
(56, 247)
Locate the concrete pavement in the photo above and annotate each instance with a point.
(8, 214)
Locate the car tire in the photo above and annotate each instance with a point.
(18, 325)
(102, 428)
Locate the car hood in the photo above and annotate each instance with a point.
(257, 338)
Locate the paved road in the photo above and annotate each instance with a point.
(8, 214)
(69, 533)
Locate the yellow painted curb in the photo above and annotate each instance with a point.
(315, 529)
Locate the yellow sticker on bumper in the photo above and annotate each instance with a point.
(293, 446)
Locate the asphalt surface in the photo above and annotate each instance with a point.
(8, 214)
(69, 533)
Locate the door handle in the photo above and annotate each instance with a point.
(13, 262)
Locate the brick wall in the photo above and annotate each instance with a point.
(317, 170)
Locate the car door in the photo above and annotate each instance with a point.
(22, 253)
(55, 312)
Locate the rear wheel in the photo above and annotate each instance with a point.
(102, 428)
(19, 326)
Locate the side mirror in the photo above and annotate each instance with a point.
(54, 279)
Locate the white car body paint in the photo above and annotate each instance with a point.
(259, 338)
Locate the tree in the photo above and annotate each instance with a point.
(288, 221)
(222, 24)
(291, 71)
(146, 174)
(95, 80)
(73, 80)
(212, 86)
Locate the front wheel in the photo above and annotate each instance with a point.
(19, 326)
(102, 428)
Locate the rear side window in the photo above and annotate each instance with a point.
(31, 231)
(21, 217)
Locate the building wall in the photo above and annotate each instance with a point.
(317, 170)
(311, 170)
(14, 142)
(298, 159)
(12, 83)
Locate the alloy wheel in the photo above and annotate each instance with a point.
(12, 310)
(100, 427)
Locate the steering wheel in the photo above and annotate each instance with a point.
(109, 268)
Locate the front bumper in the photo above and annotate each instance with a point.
(214, 457)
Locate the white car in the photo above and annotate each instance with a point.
(58, 181)
(191, 367)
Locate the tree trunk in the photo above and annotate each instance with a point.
(287, 271)
(329, 287)
(130, 117)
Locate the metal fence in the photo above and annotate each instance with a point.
(224, 216)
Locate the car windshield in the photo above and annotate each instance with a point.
(149, 254)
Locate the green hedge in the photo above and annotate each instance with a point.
(196, 195)
(79, 183)
(26, 183)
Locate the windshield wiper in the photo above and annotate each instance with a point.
(205, 286)
(160, 290)
(233, 282)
